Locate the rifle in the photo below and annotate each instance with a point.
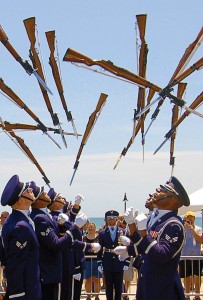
(175, 113)
(141, 21)
(73, 56)
(29, 127)
(25, 64)
(23, 147)
(189, 52)
(197, 102)
(50, 35)
(30, 26)
(89, 127)
(8, 91)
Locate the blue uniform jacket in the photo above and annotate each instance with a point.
(109, 260)
(160, 253)
(51, 246)
(22, 258)
(68, 261)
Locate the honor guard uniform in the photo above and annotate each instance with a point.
(159, 242)
(68, 259)
(20, 243)
(50, 243)
(107, 260)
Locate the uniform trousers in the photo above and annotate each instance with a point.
(50, 291)
(113, 280)
(78, 287)
(66, 287)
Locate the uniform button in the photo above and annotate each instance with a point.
(112, 245)
(141, 275)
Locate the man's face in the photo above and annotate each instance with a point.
(111, 221)
(166, 197)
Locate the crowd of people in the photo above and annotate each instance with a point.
(49, 248)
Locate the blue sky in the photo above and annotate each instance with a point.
(102, 30)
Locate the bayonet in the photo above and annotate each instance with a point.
(30, 27)
(10, 93)
(25, 64)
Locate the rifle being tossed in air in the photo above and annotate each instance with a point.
(89, 127)
(30, 26)
(50, 35)
(25, 64)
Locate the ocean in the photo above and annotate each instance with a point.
(99, 222)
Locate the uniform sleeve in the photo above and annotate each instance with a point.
(48, 237)
(16, 247)
(164, 248)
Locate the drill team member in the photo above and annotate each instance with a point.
(107, 260)
(160, 242)
(20, 243)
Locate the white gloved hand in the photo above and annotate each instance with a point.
(77, 276)
(125, 268)
(141, 220)
(130, 215)
(120, 250)
(122, 257)
(125, 240)
(62, 218)
(80, 220)
(95, 247)
(78, 199)
(100, 269)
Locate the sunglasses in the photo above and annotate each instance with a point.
(111, 218)
(168, 188)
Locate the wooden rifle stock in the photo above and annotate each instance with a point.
(89, 127)
(30, 27)
(8, 91)
(5, 41)
(50, 35)
(175, 113)
(74, 56)
(23, 147)
(92, 121)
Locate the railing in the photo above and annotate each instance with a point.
(133, 283)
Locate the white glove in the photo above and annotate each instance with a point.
(141, 220)
(123, 256)
(77, 276)
(62, 218)
(100, 269)
(80, 220)
(78, 199)
(125, 268)
(125, 240)
(120, 250)
(95, 247)
(130, 215)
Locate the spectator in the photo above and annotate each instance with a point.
(190, 269)
(91, 273)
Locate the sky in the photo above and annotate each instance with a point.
(102, 30)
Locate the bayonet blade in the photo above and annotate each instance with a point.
(42, 82)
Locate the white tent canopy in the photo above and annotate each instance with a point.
(196, 203)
